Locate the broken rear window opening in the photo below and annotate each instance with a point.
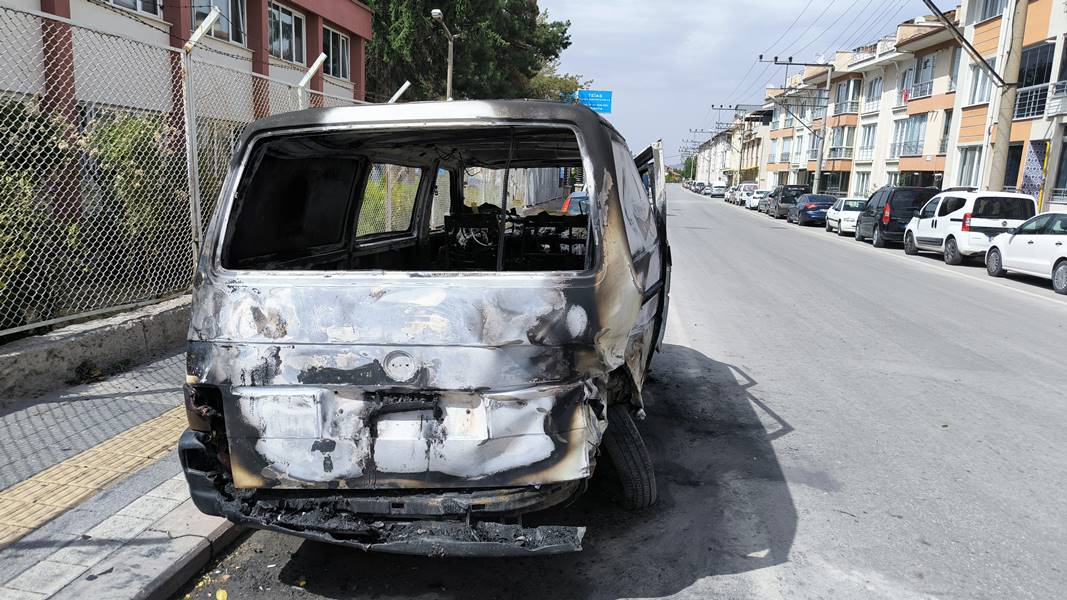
(445, 200)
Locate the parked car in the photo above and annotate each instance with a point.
(963, 223)
(1038, 247)
(716, 190)
(576, 204)
(810, 209)
(783, 197)
(754, 200)
(416, 387)
(841, 217)
(731, 194)
(744, 192)
(888, 212)
(698, 187)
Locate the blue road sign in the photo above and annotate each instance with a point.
(598, 100)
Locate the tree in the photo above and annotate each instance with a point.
(550, 84)
(689, 168)
(502, 46)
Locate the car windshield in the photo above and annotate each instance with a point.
(1003, 207)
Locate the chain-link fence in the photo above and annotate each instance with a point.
(95, 194)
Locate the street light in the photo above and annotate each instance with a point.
(440, 18)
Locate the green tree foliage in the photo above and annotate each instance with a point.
(502, 46)
(689, 169)
(550, 84)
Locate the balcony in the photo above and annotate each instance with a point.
(1059, 196)
(865, 153)
(818, 112)
(901, 99)
(783, 157)
(840, 152)
(1057, 100)
(872, 105)
(813, 154)
(848, 106)
(1031, 101)
(771, 158)
(774, 124)
(921, 90)
(788, 123)
(909, 148)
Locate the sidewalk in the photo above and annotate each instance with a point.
(92, 501)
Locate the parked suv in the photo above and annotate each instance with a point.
(783, 197)
(961, 224)
(888, 212)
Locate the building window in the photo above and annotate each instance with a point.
(891, 178)
(863, 183)
(943, 146)
(230, 25)
(969, 159)
(873, 98)
(335, 45)
(285, 33)
(987, 9)
(979, 85)
(924, 79)
(1011, 171)
(904, 86)
(146, 6)
(908, 136)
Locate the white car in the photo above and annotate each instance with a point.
(744, 192)
(958, 224)
(1037, 247)
(752, 202)
(841, 217)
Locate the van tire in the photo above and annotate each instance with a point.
(994, 263)
(1059, 277)
(952, 252)
(631, 480)
(909, 245)
(877, 239)
(859, 238)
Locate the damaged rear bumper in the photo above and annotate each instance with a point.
(423, 522)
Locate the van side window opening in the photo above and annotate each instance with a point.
(477, 198)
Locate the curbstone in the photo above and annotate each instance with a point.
(35, 365)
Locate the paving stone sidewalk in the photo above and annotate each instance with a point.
(92, 501)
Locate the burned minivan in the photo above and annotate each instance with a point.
(399, 340)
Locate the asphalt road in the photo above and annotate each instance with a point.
(828, 420)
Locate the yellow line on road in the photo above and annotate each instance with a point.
(29, 504)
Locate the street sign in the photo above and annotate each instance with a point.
(598, 100)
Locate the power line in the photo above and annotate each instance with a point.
(816, 38)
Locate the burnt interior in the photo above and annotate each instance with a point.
(475, 198)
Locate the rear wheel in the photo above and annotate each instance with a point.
(630, 479)
(828, 228)
(856, 234)
(994, 263)
(1059, 277)
(909, 245)
(877, 238)
(952, 252)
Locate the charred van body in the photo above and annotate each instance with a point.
(399, 343)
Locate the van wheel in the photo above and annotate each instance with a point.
(630, 479)
(877, 240)
(1059, 277)
(952, 252)
(994, 264)
(909, 245)
(859, 238)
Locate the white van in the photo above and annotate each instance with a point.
(959, 224)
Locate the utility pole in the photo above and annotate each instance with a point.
(825, 113)
(998, 155)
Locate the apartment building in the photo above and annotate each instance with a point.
(913, 108)
(275, 39)
(718, 159)
(1037, 163)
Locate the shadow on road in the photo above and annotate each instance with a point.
(723, 507)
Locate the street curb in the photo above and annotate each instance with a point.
(170, 581)
(35, 365)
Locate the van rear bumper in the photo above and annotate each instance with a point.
(424, 522)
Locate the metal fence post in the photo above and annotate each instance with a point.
(191, 146)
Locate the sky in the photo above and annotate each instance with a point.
(668, 62)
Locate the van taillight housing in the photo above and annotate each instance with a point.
(885, 214)
(566, 204)
(967, 222)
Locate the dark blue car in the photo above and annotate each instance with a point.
(810, 209)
